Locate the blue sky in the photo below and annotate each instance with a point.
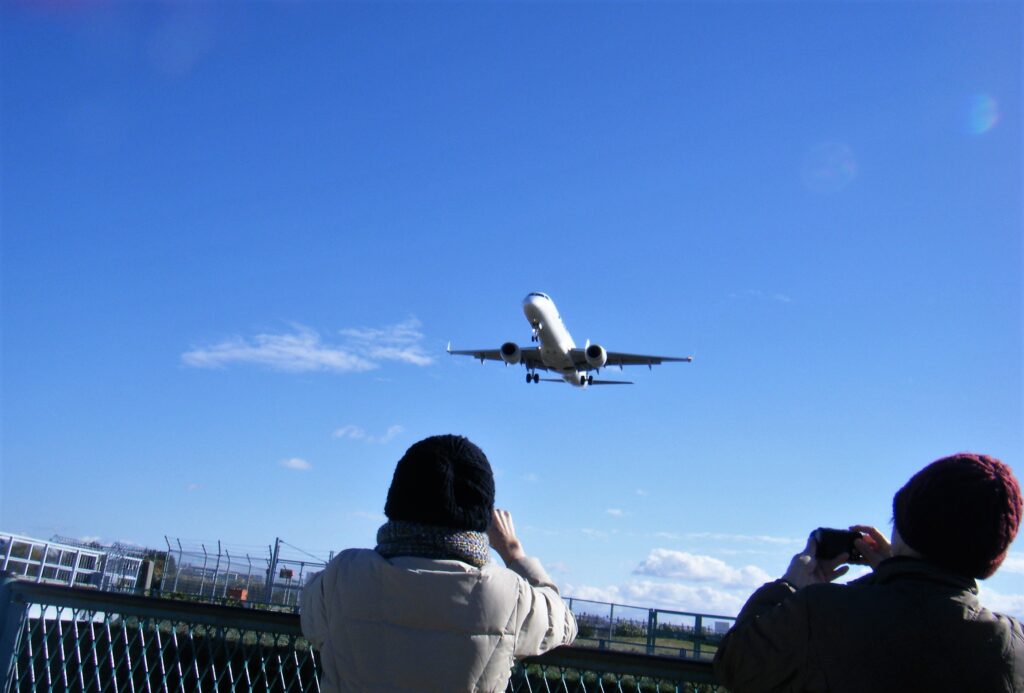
(236, 239)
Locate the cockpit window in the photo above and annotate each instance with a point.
(537, 293)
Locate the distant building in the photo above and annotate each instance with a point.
(71, 562)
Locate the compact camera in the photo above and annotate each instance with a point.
(832, 542)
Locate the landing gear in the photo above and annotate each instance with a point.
(532, 377)
(590, 380)
(586, 380)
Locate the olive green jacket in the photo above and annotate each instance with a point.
(908, 626)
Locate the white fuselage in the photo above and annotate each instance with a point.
(555, 340)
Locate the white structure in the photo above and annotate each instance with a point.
(71, 562)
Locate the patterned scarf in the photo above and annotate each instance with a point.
(398, 538)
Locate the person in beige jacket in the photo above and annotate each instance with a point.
(426, 610)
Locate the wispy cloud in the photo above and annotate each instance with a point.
(758, 295)
(364, 515)
(680, 564)
(296, 463)
(615, 512)
(756, 538)
(400, 342)
(303, 350)
(356, 433)
(193, 487)
(665, 595)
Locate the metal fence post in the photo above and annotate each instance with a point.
(202, 576)
(652, 627)
(216, 574)
(177, 568)
(269, 596)
(698, 635)
(12, 616)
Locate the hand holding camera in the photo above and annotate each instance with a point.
(827, 550)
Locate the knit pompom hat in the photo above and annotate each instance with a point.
(960, 512)
(444, 481)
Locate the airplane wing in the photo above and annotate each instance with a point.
(620, 359)
(529, 357)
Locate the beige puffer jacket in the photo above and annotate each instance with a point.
(419, 624)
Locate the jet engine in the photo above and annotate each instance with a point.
(510, 353)
(596, 356)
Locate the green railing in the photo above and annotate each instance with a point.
(55, 638)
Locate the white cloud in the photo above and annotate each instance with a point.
(356, 433)
(303, 350)
(193, 487)
(1009, 604)
(1013, 564)
(679, 564)
(531, 478)
(615, 512)
(296, 463)
(298, 352)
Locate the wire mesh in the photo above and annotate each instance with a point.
(74, 639)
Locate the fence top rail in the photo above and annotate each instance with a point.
(150, 607)
(573, 599)
(627, 663)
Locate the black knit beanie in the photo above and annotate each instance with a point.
(444, 481)
(960, 512)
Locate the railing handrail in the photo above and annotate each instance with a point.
(570, 598)
(151, 607)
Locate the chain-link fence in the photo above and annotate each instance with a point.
(215, 573)
(61, 639)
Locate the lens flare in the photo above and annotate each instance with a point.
(982, 114)
(829, 167)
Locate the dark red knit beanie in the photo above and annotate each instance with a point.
(960, 512)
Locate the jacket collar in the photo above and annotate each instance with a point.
(900, 568)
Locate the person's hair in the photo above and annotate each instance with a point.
(960, 512)
(444, 481)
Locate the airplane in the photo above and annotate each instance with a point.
(558, 353)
